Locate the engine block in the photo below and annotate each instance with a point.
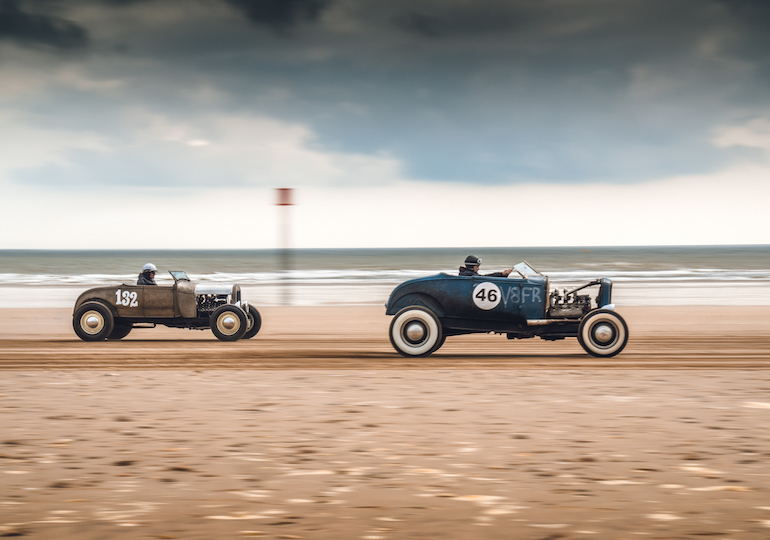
(568, 306)
(208, 303)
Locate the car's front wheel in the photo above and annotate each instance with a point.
(254, 322)
(415, 331)
(93, 321)
(229, 323)
(603, 333)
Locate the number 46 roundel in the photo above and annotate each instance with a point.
(486, 295)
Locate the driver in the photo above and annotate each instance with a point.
(147, 277)
(471, 268)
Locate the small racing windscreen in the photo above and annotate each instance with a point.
(178, 275)
(525, 269)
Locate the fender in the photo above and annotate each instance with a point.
(605, 292)
(415, 299)
(83, 298)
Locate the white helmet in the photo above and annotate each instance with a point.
(149, 267)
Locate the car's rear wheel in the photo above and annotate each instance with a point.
(120, 330)
(229, 323)
(603, 333)
(254, 322)
(415, 331)
(93, 321)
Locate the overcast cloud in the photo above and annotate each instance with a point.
(110, 94)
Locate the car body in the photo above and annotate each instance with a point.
(429, 309)
(112, 312)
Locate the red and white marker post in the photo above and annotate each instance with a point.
(286, 200)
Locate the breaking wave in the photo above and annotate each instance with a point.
(387, 277)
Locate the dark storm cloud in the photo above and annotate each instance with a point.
(490, 91)
(482, 18)
(280, 14)
(420, 24)
(28, 28)
(754, 17)
(748, 8)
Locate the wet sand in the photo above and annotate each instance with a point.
(317, 429)
(356, 337)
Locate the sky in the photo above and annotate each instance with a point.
(135, 124)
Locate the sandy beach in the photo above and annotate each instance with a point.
(316, 428)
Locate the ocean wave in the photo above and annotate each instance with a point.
(388, 277)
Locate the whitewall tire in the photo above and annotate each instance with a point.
(603, 333)
(415, 331)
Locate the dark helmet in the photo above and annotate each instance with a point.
(471, 261)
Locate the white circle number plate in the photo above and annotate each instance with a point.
(486, 295)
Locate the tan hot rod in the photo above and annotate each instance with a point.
(112, 312)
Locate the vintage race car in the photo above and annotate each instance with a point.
(427, 310)
(112, 312)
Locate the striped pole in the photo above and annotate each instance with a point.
(285, 200)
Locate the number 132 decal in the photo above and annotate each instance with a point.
(126, 298)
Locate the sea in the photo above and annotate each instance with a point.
(666, 275)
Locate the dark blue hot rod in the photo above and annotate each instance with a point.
(429, 309)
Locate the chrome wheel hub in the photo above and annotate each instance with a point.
(603, 333)
(414, 332)
(228, 323)
(92, 322)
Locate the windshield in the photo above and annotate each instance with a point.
(178, 275)
(525, 269)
